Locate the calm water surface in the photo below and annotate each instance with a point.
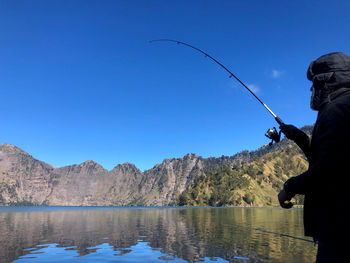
(66, 234)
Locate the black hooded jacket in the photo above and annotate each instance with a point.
(325, 183)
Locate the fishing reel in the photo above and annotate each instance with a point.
(274, 135)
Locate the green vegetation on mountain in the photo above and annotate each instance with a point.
(252, 184)
(244, 179)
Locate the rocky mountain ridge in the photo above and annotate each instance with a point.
(26, 180)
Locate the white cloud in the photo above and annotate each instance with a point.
(254, 88)
(276, 73)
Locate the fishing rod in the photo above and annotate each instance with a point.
(271, 133)
(282, 235)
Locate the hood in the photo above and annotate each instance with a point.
(331, 70)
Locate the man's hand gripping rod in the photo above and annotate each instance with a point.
(271, 133)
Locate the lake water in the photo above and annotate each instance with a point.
(71, 234)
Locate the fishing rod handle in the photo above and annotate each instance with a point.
(279, 121)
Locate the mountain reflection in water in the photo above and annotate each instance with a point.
(153, 235)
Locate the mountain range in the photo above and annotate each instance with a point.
(25, 180)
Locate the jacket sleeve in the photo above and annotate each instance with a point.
(303, 141)
(298, 136)
(330, 150)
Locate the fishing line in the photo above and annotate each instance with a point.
(271, 133)
(283, 235)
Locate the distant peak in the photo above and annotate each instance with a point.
(191, 156)
(90, 163)
(9, 148)
(125, 166)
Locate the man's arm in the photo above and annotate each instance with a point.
(332, 147)
(298, 136)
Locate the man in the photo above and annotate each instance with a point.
(325, 183)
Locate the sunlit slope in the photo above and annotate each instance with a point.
(253, 184)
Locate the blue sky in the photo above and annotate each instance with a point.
(79, 79)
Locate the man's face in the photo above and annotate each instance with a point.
(318, 97)
(312, 89)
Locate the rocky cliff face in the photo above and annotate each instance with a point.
(76, 184)
(25, 180)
